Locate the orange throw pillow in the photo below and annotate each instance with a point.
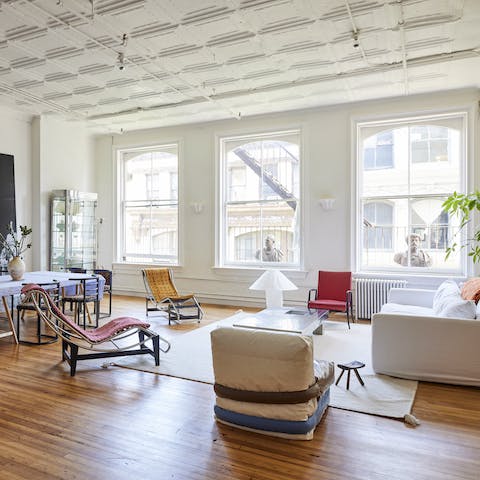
(471, 289)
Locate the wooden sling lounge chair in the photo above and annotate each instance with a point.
(161, 292)
(119, 337)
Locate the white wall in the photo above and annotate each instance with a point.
(63, 159)
(15, 139)
(327, 160)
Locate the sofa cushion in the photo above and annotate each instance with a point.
(471, 290)
(446, 293)
(401, 309)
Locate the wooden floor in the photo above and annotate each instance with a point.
(124, 424)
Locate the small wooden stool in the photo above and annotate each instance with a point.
(355, 365)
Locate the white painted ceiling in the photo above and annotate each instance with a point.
(187, 60)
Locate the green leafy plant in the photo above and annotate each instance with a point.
(464, 206)
(15, 243)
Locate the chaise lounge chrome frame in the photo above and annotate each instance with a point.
(116, 338)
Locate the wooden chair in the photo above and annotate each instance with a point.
(161, 292)
(333, 293)
(119, 337)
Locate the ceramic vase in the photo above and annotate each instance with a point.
(16, 268)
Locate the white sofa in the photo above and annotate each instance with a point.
(410, 340)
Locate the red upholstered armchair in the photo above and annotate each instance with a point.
(333, 293)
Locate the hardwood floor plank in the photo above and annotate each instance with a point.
(124, 424)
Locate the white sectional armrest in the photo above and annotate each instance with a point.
(411, 296)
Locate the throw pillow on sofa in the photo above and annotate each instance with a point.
(460, 309)
(471, 290)
(448, 292)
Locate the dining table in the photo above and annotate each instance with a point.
(10, 288)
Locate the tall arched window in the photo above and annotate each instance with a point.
(406, 169)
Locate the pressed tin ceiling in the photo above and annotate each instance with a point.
(141, 63)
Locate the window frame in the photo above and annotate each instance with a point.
(119, 200)
(465, 175)
(221, 185)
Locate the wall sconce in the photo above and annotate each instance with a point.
(327, 203)
(197, 207)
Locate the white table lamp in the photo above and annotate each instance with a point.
(274, 282)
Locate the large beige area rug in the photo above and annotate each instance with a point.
(190, 358)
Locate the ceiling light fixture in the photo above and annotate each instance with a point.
(121, 61)
(356, 43)
(121, 53)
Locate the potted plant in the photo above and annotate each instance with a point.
(15, 244)
(464, 205)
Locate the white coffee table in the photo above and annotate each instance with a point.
(293, 320)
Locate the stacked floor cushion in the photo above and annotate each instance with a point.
(268, 382)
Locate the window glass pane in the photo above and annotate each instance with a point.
(390, 172)
(270, 169)
(378, 225)
(261, 233)
(439, 168)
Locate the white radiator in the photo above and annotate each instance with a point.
(371, 294)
